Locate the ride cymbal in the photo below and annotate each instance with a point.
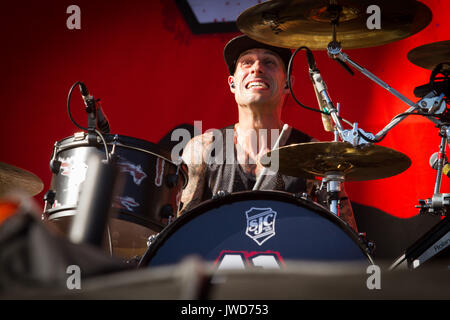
(316, 159)
(296, 23)
(14, 178)
(430, 55)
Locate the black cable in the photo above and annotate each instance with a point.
(69, 96)
(289, 72)
(404, 114)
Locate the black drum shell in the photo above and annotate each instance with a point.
(304, 231)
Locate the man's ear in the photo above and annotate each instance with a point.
(231, 83)
(286, 87)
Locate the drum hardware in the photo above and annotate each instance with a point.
(12, 177)
(439, 203)
(370, 245)
(55, 165)
(220, 194)
(151, 239)
(303, 195)
(333, 181)
(49, 200)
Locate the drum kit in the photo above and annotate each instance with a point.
(259, 228)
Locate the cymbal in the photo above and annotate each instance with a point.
(430, 55)
(296, 23)
(316, 159)
(14, 178)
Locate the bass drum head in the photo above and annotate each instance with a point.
(257, 228)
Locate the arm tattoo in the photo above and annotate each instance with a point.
(193, 156)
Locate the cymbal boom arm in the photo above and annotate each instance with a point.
(335, 52)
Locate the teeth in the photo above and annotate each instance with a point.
(257, 84)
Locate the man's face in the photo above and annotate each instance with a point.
(260, 78)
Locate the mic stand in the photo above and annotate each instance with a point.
(91, 110)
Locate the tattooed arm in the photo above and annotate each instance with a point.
(193, 156)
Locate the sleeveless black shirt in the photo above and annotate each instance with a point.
(230, 177)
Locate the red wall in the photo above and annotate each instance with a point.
(152, 74)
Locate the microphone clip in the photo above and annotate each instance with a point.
(432, 103)
(354, 136)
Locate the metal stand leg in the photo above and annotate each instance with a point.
(333, 181)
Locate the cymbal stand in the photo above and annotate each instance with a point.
(353, 136)
(432, 103)
(439, 202)
(334, 180)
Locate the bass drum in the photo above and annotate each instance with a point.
(259, 228)
(150, 195)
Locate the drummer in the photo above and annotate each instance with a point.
(258, 81)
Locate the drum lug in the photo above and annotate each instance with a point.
(151, 239)
(78, 136)
(49, 199)
(220, 194)
(303, 195)
(370, 245)
(55, 165)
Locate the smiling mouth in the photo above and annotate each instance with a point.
(257, 84)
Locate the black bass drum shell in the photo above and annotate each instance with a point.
(254, 223)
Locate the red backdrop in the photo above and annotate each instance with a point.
(153, 74)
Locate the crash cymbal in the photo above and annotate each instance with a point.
(430, 55)
(296, 23)
(14, 178)
(316, 159)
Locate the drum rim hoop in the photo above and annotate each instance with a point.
(163, 154)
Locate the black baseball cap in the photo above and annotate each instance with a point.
(238, 45)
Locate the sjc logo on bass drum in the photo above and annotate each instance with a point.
(260, 224)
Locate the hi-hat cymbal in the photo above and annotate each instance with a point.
(430, 55)
(296, 23)
(14, 178)
(316, 159)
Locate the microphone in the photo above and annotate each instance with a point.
(88, 99)
(94, 110)
(321, 91)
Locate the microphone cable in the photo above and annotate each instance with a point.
(289, 73)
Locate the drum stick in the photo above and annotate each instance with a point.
(265, 169)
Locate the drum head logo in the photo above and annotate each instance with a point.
(260, 224)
